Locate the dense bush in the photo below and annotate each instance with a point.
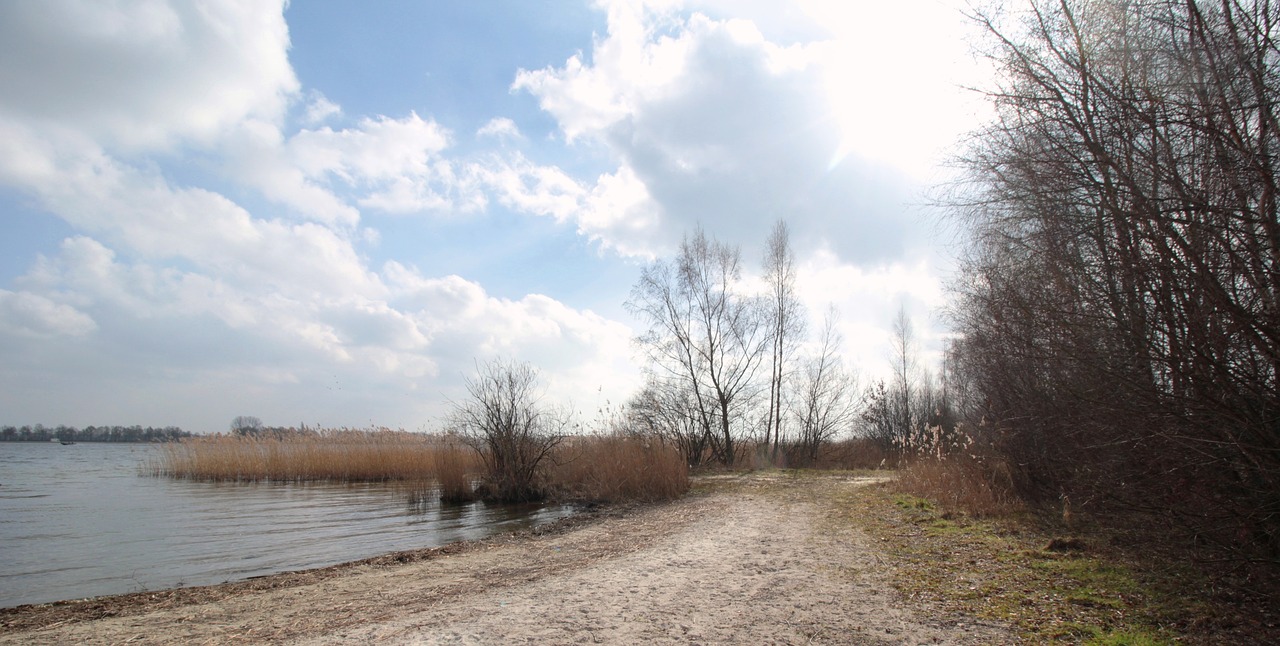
(1120, 305)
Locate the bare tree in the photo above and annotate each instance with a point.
(665, 409)
(506, 423)
(877, 421)
(1121, 302)
(826, 404)
(905, 366)
(704, 336)
(786, 325)
(246, 425)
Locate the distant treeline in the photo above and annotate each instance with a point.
(41, 433)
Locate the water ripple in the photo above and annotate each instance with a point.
(81, 522)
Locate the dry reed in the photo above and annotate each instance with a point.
(961, 485)
(345, 455)
(455, 471)
(611, 468)
(957, 473)
(597, 468)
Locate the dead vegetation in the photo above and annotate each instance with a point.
(343, 455)
(1054, 577)
(617, 468)
(597, 468)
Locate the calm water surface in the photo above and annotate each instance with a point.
(78, 521)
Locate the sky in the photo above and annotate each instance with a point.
(329, 212)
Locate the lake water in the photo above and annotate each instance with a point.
(79, 521)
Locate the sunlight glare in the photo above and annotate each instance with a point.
(894, 79)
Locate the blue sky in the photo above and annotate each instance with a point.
(326, 212)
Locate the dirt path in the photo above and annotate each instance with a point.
(755, 561)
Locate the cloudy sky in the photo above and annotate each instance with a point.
(326, 212)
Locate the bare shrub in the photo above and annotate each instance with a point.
(505, 422)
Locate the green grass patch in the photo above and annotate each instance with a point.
(1001, 569)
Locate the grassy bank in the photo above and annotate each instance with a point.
(594, 467)
(1053, 580)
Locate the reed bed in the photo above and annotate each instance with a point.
(611, 468)
(456, 470)
(604, 468)
(957, 472)
(346, 456)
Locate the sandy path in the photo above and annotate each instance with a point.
(755, 562)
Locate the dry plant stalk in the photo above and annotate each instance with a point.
(597, 468)
(610, 468)
(951, 469)
(340, 455)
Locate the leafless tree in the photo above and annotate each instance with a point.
(878, 420)
(666, 410)
(705, 336)
(1120, 307)
(786, 325)
(826, 404)
(246, 425)
(905, 367)
(505, 421)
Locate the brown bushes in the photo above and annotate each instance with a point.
(960, 484)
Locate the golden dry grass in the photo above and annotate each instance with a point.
(455, 472)
(598, 468)
(612, 468)
(980, 488)
(345, 455)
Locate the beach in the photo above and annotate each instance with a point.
(744, 559)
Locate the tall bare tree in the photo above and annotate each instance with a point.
(705, 336)
(786, 325)
(905, 365)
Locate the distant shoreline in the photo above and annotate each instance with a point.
(55, 440)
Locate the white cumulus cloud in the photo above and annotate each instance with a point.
(711, 123)
(33, 315)
(147, 73)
